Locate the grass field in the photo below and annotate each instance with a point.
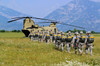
(18, 51)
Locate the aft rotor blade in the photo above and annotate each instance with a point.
(72, 25)
(42, 22)
(14, 20)
(46, 22)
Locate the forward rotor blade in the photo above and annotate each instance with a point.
(34, 18)
(21, 17)
(14, 20)
(16, 17)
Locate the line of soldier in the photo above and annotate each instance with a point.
(60, 40)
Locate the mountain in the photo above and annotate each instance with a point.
(85, 13)
(5, 15)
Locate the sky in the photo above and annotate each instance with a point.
(38, 8)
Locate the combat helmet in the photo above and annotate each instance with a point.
(76, 33)
(81, 32)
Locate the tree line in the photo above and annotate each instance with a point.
(10, 31)
(73, 31)
(84, 31)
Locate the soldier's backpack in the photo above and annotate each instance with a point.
(59, 37)
(90, 39)
(54, 36)
(69, 38)
(76, 39)
(51, 34)
(47, 36)
(40, 36)
(63, 39)
(82, 39)
(36, 35)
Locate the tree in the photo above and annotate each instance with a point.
(68, 31)
(14, 30)
(18, 31)
(84, 31)
(2, 31)
(74, 30)
(93, 32)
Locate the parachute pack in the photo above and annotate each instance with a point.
(58, 36)
(82, 39)
(51, 34)
(55, 35)
(47, 35)
(63, 39)
(69, 38)
(41, 34)
(90, 39)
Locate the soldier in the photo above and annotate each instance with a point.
(40, 36)
(81, 42)
(54, 38)
(31, 35)
(89, 42)
(69, 41)
(47, 38)
(51, 35)
(36, 35)
(44, 36)
(58, 40)
(75, 41)
(63, 41)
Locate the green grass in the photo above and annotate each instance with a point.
(18, 51)
(11, 35)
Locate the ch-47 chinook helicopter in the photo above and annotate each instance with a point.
(30, 27)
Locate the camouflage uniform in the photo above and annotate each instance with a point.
(58, 40)
(44, 36)
(89, 42)
(47, 38)
(75, 41)
(81, 43)
(51, 36)
(31, 36)
(54, 38)
(40, 37)
(63, 41)
(36, 36)
(69, 42)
